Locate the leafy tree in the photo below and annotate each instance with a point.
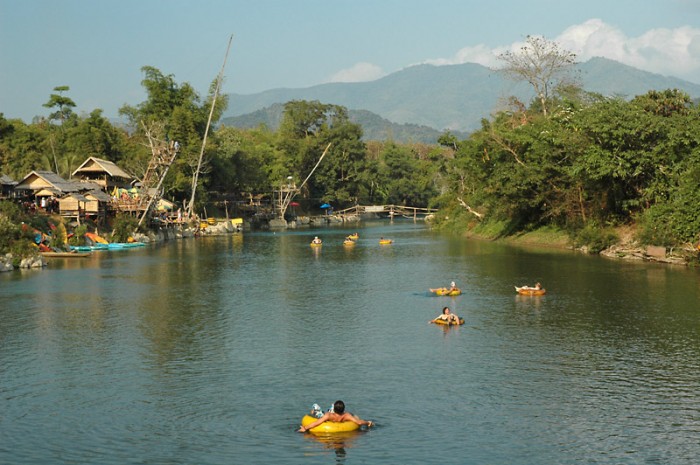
(62, 105)
(24, 148)
(305, 131)
(173, 112)
(664, 103)
(246, 161)
(447, 139)
(406, 180)
(63, 112)
(339, 176)
(619, 161)
(124, 226)
(95, 136)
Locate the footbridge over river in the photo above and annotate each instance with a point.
(391, 211)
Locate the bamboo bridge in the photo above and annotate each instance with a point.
(391, 211)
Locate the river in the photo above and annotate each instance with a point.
(209, 351)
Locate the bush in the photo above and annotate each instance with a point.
(595, 238)
(670, 225)
(22, 249)
(124, 226)
(59, 236)
(78, 234)
(12, 211)
(9, 233)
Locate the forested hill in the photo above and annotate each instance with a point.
(374, 127)
(453, 97)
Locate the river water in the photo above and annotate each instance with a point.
(209, 351)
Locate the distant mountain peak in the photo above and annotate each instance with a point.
(453, 97)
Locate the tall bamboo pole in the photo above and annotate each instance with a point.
(195, 178)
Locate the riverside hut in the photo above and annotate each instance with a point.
(7, 186)
(104, 173)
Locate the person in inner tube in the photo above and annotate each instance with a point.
(446, 316)
(338, 414)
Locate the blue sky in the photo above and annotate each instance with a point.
(97, 47)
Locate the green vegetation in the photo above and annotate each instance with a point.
(374, 127)
(569, 162)
(124, 226)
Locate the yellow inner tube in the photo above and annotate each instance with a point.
(330, 426)
(444, 291)
(448, 323)
(316, 244)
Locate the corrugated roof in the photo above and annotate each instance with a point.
(53, 179)
(99, 195)
(78, 197)
(47, 192)
(88, 186)
(98, 165)
(7, 181)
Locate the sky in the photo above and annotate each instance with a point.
(98, 47)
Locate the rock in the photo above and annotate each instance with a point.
(656, 251)
(6, 263)
(33, 262)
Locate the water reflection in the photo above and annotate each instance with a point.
(203, 351)
(339, 443)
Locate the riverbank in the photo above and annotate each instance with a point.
(8, 262)
(626, 246)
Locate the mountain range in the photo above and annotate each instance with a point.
(420, 102)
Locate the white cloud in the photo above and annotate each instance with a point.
(359, 72)
(480, 54)
(665, 51)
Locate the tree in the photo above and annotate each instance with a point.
(63, 112)
(664, 103)
(23, 148)
(307, 127)
(404, 178)
(542, 64)
(93, 135)
(173, 112)
(63, 105)
(245, 161)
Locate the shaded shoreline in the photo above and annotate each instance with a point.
(627, 248)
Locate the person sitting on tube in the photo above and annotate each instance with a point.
(338, 414)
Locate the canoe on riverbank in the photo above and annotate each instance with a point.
(109, 246)
(65, 254)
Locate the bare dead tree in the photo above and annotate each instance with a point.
(541, 63)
